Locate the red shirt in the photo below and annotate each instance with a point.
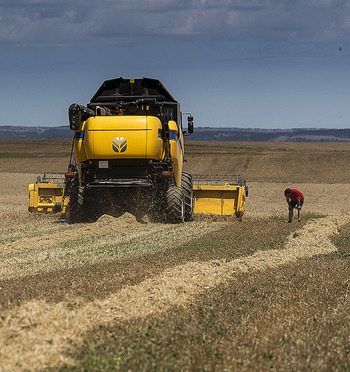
(295, 194)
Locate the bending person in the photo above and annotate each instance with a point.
(295, 199)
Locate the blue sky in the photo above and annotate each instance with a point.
(232, 63)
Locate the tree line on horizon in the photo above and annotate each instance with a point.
(201, 134)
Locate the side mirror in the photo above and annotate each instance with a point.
(190, 124)
(74, 114)
(77, 114)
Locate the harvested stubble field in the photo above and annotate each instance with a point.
(214, 294)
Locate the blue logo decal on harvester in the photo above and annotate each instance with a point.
(120, 144)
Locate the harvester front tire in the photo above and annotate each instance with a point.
(175, 205)
(73, 205)
(187, 186)
(77, 205)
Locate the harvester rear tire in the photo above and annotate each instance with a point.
(187, 186)
(175, 205)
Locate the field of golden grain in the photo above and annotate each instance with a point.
(209, 295)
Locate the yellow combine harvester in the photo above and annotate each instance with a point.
(128, 151)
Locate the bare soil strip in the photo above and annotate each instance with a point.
(38, 334)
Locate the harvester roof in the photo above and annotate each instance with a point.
(131, 89)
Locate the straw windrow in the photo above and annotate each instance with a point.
(38, 334)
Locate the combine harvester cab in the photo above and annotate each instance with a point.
(219, 194)
(47, 194)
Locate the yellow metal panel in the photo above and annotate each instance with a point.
(155, 145)
(218, 199)
(241, 202)
(229, 201)
(139, 135)
(102, 130)
(177, 158)
(79, 150)
(116, 123)
(208, 201)
(31, 197)
(176, 150)
(43, 196)
(65, 205)
(173, 126)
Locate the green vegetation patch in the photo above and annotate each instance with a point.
(90, 279)
(342, 242)
(295, 318)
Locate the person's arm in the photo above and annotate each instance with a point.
(288, 201)
(298, 202)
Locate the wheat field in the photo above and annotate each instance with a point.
(214, 294)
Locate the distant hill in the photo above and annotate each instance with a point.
(201, 134)
(16, 132)
(271, 135)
